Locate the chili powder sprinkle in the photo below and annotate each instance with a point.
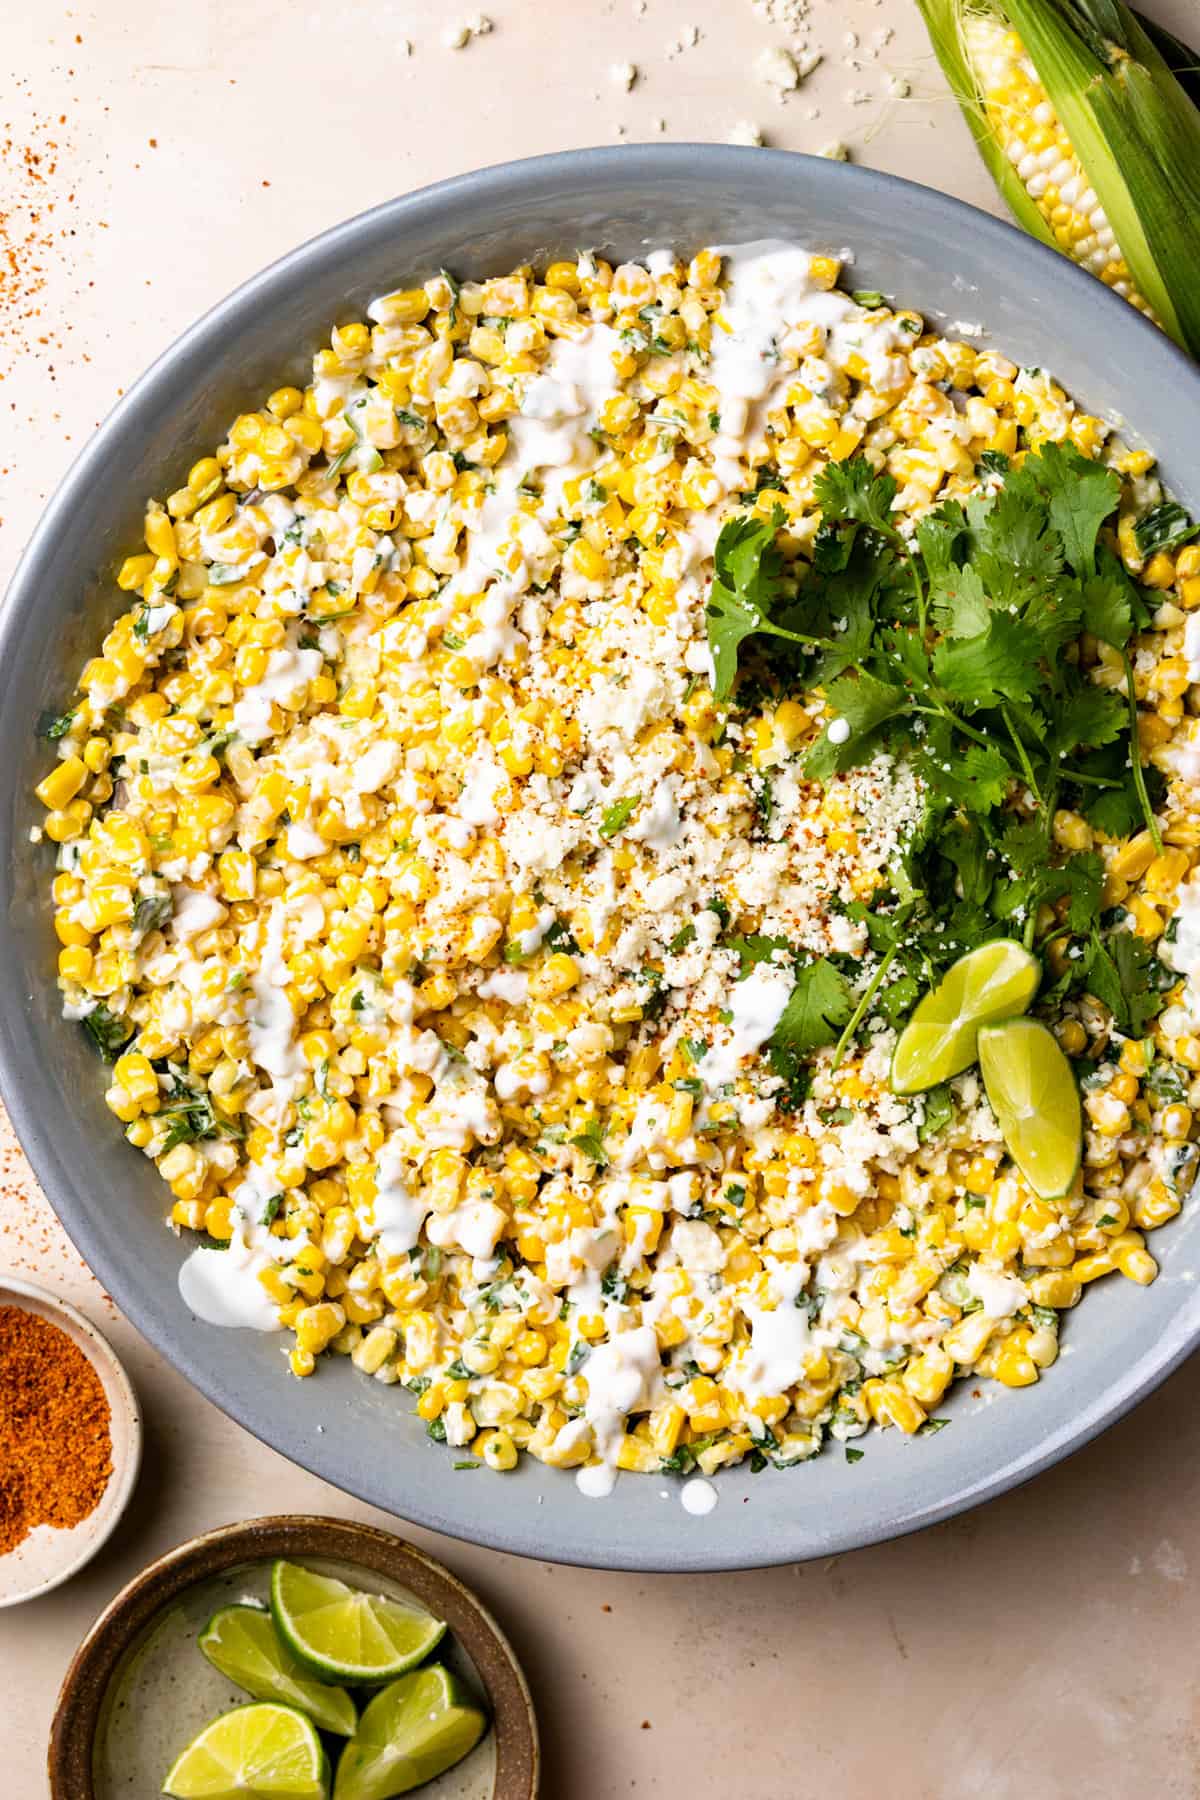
(55, 1442)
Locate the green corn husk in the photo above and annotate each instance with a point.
(1132, 126)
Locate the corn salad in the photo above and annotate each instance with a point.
(402, 847)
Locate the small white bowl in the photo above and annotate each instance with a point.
(50, 1555)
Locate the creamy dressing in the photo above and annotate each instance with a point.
(757, 1005)
(193, 912)
(288, 670)
(548, 444)
(222, 1287)
(623, 1376)
(698, 1496)
(272, 1023)
(771, 302)
(780, 1336)
(1183, 953)
(397, 1214)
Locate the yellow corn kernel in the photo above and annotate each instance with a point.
(75, 962)
(318, 1325)
(62, 783)
(1014, 1366)
(497, 1450)
(557, 975)
(1133, 858)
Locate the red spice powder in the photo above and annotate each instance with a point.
(55, 1438)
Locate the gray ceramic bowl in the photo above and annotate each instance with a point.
(954, 264)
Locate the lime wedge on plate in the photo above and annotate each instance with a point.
(1035, 1098)
(257, 1752)
(993, 982)
(242, 1642)
(414, 1730)
(340, 1634)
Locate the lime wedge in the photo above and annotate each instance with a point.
(257, 1752)
(340, 1634)
(414, 1730)
(243, 1643)
(1036, 1102)
(993, 982)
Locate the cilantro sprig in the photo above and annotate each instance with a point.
(957, 645)
(954, 643)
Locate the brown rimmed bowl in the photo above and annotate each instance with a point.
(138, 1689)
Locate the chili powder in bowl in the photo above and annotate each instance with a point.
(70, 1440)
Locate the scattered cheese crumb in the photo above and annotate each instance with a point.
(899, 87)
(405, 46)
(777, 68)
(789, 15)
(835, 152)
(746, 132)
(660, 124)
(624, 74)
(857, 96)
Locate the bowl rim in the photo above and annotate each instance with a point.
(641, 164)
(78, 1709)
(118, 1490)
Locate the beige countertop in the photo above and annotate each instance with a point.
(154, 156)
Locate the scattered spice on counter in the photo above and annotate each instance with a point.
(55, 1443)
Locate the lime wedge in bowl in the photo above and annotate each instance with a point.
(1035, 1098)
(340, 1634)
(414, 1730)
(242, 1642)
(994, 982)
(258, 1752)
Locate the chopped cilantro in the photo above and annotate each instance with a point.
(107, 1031)
(1164, 527)
(615, 817)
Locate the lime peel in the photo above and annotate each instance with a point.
(412, 1731)
(243, 1643)
(1035, 1097)
(996, 981)
(340, 1634)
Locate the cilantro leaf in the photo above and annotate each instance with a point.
(1000, 664)
(976, 776)
(1016, 554)
(1109, 603)
(818, 1007)
(865, 703)
(851, 490)
(591, 1141)
(1090, 715)
(939, 1111)
(755, 949)
(1082, 493)
(747, 577)
(960, 607)
(1119, 976)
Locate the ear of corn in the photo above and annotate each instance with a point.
(1090, 138)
